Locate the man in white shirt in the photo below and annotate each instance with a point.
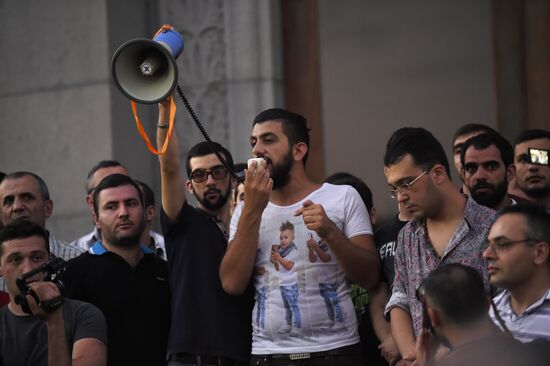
(277, 190)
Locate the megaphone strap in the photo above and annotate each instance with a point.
(143, 134)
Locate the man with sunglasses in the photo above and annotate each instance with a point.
(209, 326)
(518, 257)
(446, 227)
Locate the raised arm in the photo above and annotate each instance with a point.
(172, 181)
(58, 351)
(238, 263)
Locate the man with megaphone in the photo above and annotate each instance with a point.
(209, 326)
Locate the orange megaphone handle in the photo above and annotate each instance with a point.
(143, 134)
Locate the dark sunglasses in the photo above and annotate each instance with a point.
(199, 175)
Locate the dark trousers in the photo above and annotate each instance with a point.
(344, 356)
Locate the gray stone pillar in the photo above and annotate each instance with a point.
(230, 69)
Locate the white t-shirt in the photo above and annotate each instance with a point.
(344, 207)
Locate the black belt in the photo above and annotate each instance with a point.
(342, 351)
(201, 360)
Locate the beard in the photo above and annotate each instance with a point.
(538, 192)
(490, 198)
(280, 173)
(127, 240)
(218, 202)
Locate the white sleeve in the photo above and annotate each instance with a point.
(235, 220)
(356, 216)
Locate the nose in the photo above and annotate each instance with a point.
(27, 265)
(18, 204)
(123, 210)
(401, 196)
(480, 175)
(210, 180)
(258, 150)
(488, 253)
(533, 167)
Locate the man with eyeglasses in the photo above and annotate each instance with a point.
(209, 326)
(518, 257)
(447, 227)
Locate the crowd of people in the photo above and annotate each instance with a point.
(272, 268)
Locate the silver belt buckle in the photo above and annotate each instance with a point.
(299, 356)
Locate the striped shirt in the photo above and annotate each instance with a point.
(532, 324)
(59, 249)
(415, 257)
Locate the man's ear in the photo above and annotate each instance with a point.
(439, 174)
(299, 150)
(48, 208)
(434, 317)
(150, 213)
(96, 221)
(189, 185)
(542, 250)
(372, 215)
(90, 200)
(511, 172)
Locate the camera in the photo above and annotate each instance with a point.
(538, 156)
(52, 270)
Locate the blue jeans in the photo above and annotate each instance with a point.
(334, 310)
(260, 309)
(289, 294)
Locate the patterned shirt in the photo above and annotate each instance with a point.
(59, 249)
(415, 257)
(532, 324)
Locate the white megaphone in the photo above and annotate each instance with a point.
(145, 70)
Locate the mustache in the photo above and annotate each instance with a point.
(124, 222)
(482, 185)
(212, 190)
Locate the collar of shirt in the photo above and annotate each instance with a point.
(216, 220)
(99, 249)
(507, 299)
(420, 228)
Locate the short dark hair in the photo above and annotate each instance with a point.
(101, 165)
(418, 142)
(533, 134)
(112, 181)
(471, 128)
(22, 229)
(484, 140)
(287, 225)
(351, 180)
(42, 187)
(294, 126)
(148, 195)
(203, 149)
(2, 175)
(536, 217)
(457, 291)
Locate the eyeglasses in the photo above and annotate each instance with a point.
(200, 175)
(405, 187)
(503, 245)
